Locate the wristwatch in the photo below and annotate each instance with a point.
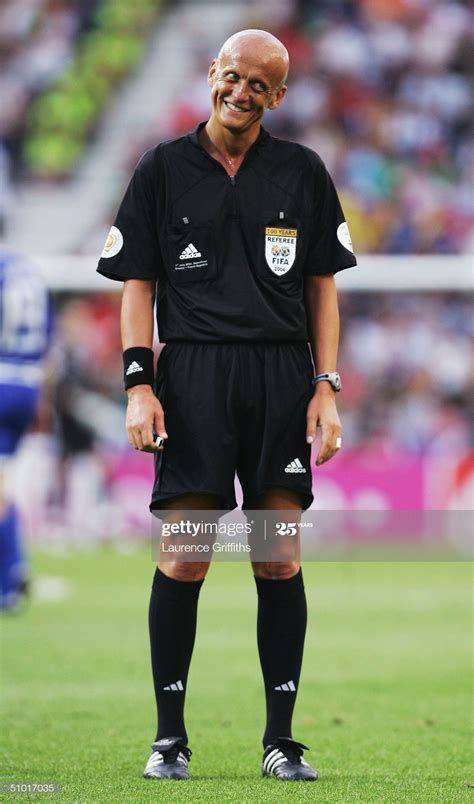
(331, 377)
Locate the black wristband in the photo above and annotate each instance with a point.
(138, 366)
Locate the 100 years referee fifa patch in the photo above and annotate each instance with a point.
(280, 249)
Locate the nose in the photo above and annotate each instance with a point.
(241, 90)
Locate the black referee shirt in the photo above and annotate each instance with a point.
(229, 254)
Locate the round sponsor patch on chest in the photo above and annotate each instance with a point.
(113, 244)
(344, 236)
(280, 248)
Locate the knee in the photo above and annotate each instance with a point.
(184, 570)
(275, 570)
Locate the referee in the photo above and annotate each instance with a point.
(237, 235)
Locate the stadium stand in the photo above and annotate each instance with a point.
(62, 61)
(382, 92)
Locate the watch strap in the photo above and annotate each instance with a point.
(331, 377)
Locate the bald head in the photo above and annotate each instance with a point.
(246, 79)
(258, 46)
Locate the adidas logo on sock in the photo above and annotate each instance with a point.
(295, 466)
(189, 252)
(288, 687)
(133, 367)
(177, 687)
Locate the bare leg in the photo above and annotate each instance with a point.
(289, 503)
(176, 507)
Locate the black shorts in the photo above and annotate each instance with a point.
(234, 408)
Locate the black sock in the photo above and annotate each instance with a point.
(172, 622)
(281, 627)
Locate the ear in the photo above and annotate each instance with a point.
(278, 98)
(211, 75)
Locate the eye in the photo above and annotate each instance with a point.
(231, 76)
(259, 86)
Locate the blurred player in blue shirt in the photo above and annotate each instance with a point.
(25, 332)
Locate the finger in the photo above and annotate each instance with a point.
(324, 456)
(311, 423)
(150, 449)
(325, 448)
(147, 445)
(148, 439)
(132, 438)
(159, 424)
(329, 444)
(138, 440)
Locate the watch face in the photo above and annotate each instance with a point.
(337, 382)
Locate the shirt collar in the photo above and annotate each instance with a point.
(261, 140)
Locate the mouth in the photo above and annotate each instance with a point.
(234, 108)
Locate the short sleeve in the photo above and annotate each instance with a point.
(131, 250)
(330, 246)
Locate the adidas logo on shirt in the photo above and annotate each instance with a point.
(177, 687)
(288, 687)
(295, 466)
(189, 253)
(133, 367)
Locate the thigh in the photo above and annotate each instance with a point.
(174, 510)
(193, 502)
(284, 561)
(280, 499)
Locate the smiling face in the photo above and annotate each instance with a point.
(246, 79)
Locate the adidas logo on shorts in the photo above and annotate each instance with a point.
(295, 466)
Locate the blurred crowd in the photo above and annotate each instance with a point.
(408, 372)
(37, 42)
(382, 91)
(62, 61)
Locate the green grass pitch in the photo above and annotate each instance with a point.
(384, 697)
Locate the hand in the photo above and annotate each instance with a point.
(145, 416)
(322, 410)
